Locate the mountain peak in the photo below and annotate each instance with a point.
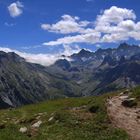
(63, 63)
(123, 46)
(84, 53)
(109, 60)
(11, 56)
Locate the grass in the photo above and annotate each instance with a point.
(136, 94)
(69, 123)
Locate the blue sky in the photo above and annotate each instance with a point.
(26, 24)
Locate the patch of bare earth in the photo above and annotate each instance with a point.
(124, 117)
(81, 113)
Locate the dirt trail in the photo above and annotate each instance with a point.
(123, 117)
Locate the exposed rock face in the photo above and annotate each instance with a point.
(104, 70)
(24, 83)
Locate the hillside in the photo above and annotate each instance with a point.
(24, 83)
(85, 74)
(101, 71)
(113, 116)
(65, 119)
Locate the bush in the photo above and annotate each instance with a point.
(94, 109)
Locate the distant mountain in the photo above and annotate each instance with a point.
(88, 73)
(105, 70)
(124, 49)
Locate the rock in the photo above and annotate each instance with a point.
(17, 122)
(52, 114)
(126, 92)
(123, 97)
(23, 129)
(57, 121)
(8, 119)
(37, 124)
(38, 117)
(76, 122)
(50, 119)
(121, 94)
(129, 102)
(4, 121)
(110, 103)
(40, 114)
(78, 108)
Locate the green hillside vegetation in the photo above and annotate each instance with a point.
(136, 94)
(63, 119)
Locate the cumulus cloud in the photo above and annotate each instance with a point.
(117, 24)
(112, 25)
(114, 15)
(45, 59)
(15, 9)
(68, 24)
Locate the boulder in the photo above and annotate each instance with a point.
(50, 119)
(23, 129)
(129, 102)
(37, 124)
(123, 97)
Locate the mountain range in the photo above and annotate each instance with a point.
(83, 74)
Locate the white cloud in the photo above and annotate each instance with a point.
(69, 50)
(66, 25)
(112, 25)
(114, 37)
(114, 15)
(45, 59)
(15, 9)
(83, 38)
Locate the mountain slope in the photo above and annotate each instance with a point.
(104, 70)
(24, 83)
(88, 73)
(66, 119)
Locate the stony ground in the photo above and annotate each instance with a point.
(124, 117)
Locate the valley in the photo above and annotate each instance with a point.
(69, 70)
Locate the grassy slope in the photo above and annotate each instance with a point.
(136, 94)
(68, 124)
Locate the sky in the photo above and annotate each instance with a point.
(42, 30)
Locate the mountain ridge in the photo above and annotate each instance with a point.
(88, 73)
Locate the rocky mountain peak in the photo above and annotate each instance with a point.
(83, 53)
(11, 56)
